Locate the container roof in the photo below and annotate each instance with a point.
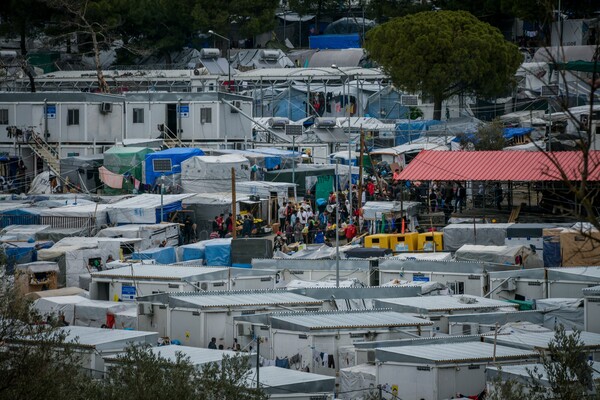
(325, 320)
(540, 340)
(441, 303)
(592, 291)
(143, 271)
(240, 299)
(519, 166)
(452, 353)
(97, 337)
(197, 355)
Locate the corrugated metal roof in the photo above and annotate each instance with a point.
(233, 298)
(592, 291)
(277, 377)
(540, 340)
(155, 272)
(452, 353)
(345, 320)
(499, 166)
(443, 303)
(87, 336)
(197, 355)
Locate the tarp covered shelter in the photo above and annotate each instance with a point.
(162, 255)
(347, 41)
(126, 161)
(167, 162)
(521, 166)
(145, 208)
(82, 171)
(208, 174)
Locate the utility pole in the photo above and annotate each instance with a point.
(360, 171)
(233, 205)
(257, 362)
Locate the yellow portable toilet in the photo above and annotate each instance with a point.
(431, 241)
(380, 240)
(404, 241)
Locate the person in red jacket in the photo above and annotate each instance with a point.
(350, 232)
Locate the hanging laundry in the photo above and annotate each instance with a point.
(330, 361)
(111, 179)
(282, 363)
(136, 183)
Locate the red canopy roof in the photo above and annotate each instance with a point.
(520, 166)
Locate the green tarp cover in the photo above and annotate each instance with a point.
(582, 66)
(125, 161)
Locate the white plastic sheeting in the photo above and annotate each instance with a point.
(208, 174)
(456, 235)
(506, 255)
(358, 382)
(141, 209)
(152, 235)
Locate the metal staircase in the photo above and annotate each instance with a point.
(170, 139)
(46, 152)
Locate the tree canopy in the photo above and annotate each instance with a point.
(444, 53)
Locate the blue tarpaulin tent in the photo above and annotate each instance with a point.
(162, 255)
(510, 133)
(218, 252)
(167, 162)
(23, 252)
(19, 216)
(194, 251)
(350, 41)
(407, 132)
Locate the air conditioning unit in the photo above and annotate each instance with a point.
(470, 328)
(145, 309)
(244, 330)
(210, 53)
(325, 122)
(204, 286)
(278, 122)
(270, 55)
(237, 104)
(106, 108)
(509, 285)
(371, 356)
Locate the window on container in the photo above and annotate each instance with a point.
(3, 116)
(73, 116)
(138, 115)
(206, 115)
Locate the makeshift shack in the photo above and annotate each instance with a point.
(125, 161)
(505, 255)
(36, 276)
(209, 174)
(358, 381)
(579, 248)
(145, 208)
(457, 235)
(151, 235)
(167, 163)
(75, 256)
(161, 255)
(23, 252)
(81, 172)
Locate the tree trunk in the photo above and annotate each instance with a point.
(102, 85)
(437, 107)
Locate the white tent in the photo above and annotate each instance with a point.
(507, 255)
(207, 174)
(141, 209)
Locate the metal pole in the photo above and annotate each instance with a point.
(233, 205)
(337, 227)
(162, 189)
(294, 161)
(349, 153)
(257, 362)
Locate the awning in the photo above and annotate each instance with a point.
(519, 166)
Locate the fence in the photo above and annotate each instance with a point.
(87, 224)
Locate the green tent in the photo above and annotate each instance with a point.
(126, 161)
(582, 66)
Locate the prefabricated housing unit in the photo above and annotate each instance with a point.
(313, 339)
(127, 283)
(434, 307)
(440, 371)
(194, 318)
(462, 277)
(592, 309)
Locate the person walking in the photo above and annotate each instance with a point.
(461, 197)
(498, 196)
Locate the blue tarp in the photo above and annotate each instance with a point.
(406, 132)
(194, 251)
(177, 155)
(510, 133)
(167, 209)
(19, 216)
(162, 255)
(350, 41)
(218, 253)
(23, 252)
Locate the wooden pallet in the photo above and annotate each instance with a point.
(514, 215)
